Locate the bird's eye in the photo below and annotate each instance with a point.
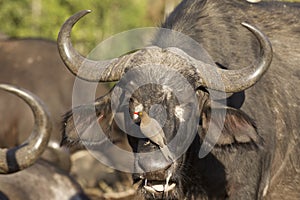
(147, 142)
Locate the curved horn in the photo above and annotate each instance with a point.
(23, 156)
(239, 80)
(112, 70)
(90, 70)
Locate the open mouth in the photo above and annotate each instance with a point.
(155, 186)
(158, 186)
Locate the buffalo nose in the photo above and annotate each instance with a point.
(151, 162)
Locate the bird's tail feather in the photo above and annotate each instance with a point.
(166, 152)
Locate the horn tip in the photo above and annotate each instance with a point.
(246, 24)
(83, 13)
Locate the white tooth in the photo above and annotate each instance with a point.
(158, 188)
(149, 189)
(170, 187)
(167, 181)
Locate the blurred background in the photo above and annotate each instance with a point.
(43, 19)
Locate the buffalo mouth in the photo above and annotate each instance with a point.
(156, 187)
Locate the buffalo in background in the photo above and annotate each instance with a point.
(42, 180)
(35, 64)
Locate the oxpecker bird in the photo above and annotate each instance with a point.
(153, 131)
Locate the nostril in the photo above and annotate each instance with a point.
(137, 177)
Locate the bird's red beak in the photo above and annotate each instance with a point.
(136, 115)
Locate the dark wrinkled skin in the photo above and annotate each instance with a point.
(257, 155)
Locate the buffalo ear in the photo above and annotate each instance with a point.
(238, 127)
(81, 119)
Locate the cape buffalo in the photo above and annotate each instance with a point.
(256, 155)
(42, 180)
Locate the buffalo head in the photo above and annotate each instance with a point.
(179, 106)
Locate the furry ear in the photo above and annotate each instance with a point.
(238, 127)
(81, 120)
